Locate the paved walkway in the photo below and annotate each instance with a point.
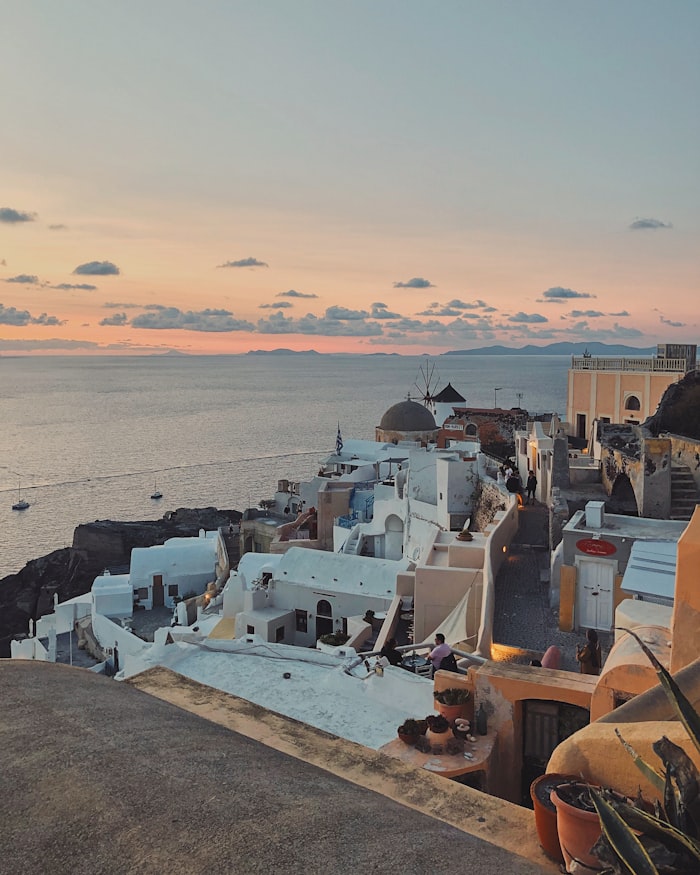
(523, 617)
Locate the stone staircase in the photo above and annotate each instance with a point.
(684, 493)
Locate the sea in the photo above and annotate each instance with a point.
(88, 438)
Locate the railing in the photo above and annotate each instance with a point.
(599, 363)
(349, 521)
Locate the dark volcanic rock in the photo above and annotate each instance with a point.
(96, 546)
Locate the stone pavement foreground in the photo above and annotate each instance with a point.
(99, 777)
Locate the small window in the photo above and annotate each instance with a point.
(143, 592)
(301, 621)
(279, 634)
(250, 630)
(632, 403)
(173, 589)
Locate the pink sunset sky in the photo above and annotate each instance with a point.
(377, 176)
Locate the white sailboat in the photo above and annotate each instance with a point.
(21, 503)
(156, 494)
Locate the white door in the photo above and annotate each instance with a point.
(594, 594)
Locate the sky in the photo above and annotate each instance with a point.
(365, 176)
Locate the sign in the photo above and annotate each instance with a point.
(595, 547)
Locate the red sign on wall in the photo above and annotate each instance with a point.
(595, 547)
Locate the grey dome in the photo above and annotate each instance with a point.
(408, 416)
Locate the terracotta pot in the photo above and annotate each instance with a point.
(578, 829)
(546, 814)
(449, 712)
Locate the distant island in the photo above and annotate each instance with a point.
(563, 348)
(282, 351)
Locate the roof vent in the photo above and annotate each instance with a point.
(595, 514)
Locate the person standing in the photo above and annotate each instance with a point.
(589, 656)
(531, 486)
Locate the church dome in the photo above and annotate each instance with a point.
(408, 416)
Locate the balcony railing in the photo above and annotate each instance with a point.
(600, 363)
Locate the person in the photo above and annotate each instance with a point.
(391, 653)
(439, 652)
(531, 486)
(589, 655)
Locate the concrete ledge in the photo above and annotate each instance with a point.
(494, 820)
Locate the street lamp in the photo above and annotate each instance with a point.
(495, 393)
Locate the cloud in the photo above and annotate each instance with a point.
(97, 268)
(557, 293)
(279, 305)
(84, 287)
(585, 314)
(113, 305)
(204, 320)
(440, 311)
(13, 316)
(380, 311)
(326, 326)
(25, 279)
(43, 319)
(671, 323)
(621, 313)
(455, 307)
(529, 318)
(649, 225)
(12, 217)
(417, 282)
(293, 294)
(344, 313)
(58, 227)
(117, 319)
(244, 262)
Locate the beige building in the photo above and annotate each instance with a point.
(622, 390)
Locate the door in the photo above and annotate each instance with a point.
(158, 591)
(594, 594)
(324, 618)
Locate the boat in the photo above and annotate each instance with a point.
(156, 494)
(21, 503)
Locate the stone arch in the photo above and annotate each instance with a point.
(623, 495)
(471, 430)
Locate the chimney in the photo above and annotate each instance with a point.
(595, 514)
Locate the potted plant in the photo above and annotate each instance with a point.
(334, 639)
(450, 702)
(546, 812)
(409, 731)
(635, 840)
(578, 826)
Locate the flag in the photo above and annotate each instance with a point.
(338, 442)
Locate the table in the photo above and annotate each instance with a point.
(417, 664)
(447, 765)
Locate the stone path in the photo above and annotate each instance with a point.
(523, 617)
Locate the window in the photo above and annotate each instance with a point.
(301, 621)
(279, 634)
(471, 430)
(250, 630)
(632, 403)
(142, 592)
(173, 589)
(323, 609)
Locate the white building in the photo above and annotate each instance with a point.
(179, 568)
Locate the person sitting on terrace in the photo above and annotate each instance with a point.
(439, 652)
(391, 653)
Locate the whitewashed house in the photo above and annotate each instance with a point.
(178, 568)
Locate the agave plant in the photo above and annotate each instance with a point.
(636, 841)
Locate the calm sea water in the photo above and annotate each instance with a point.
(89, 437)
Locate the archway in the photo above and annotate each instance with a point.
(393, 537)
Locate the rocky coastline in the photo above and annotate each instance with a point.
(29, 593)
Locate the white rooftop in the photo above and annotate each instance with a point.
(364, 709)
(340, 572)
(651, 569)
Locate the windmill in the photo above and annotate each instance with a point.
(427, 382)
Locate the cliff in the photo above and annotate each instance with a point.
(96, 546)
